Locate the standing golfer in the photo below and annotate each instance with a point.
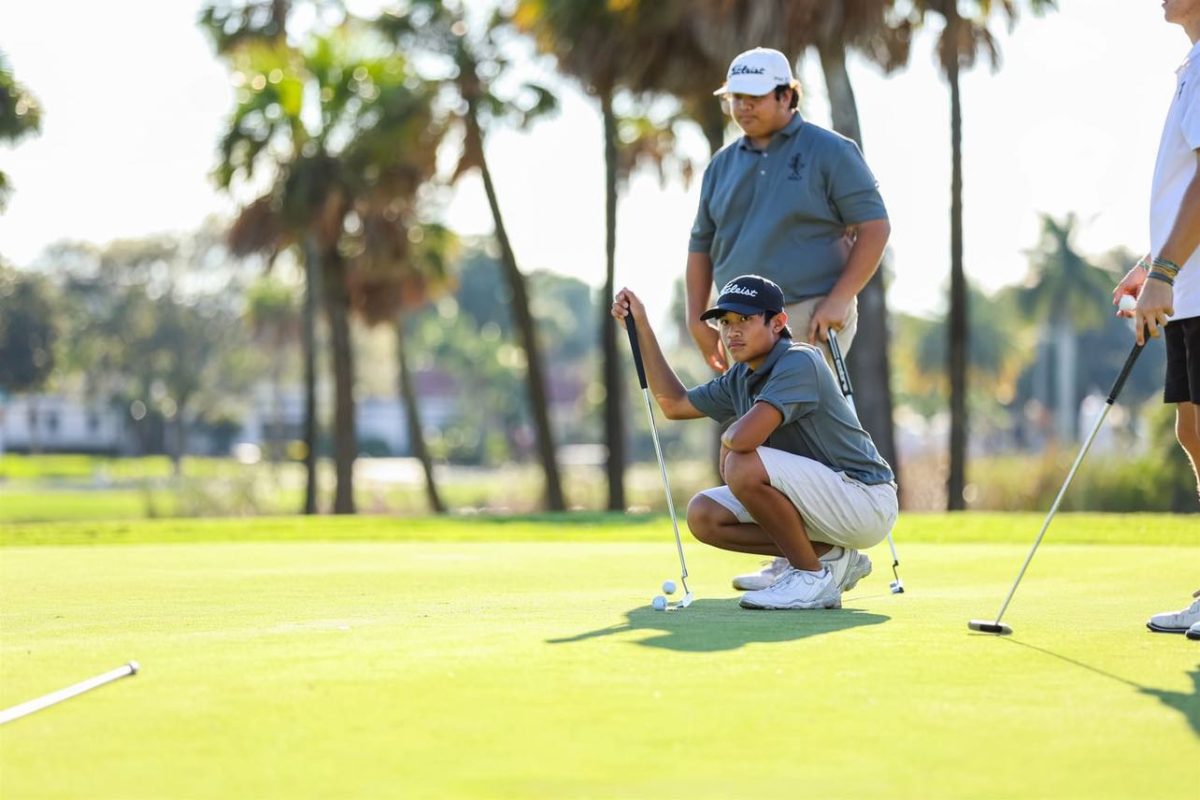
(803, 480)
(790, 201)
(1166, 281)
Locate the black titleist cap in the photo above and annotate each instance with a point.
(747, 294)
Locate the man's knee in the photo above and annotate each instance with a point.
(744, 472)
(704, 518)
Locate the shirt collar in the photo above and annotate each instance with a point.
(782, 346)
(788, 131)
(1192, 57)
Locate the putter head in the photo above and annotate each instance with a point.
(985, 626)
(687, 600)
(897, 586)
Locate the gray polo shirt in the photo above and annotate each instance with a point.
(781, 212)
(818, 422)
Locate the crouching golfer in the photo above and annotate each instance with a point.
(803, 480)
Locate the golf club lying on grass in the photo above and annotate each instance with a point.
(996, 626)
(38, 703)
(660, 602)
(843, 376)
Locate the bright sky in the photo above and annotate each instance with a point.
(134, 102)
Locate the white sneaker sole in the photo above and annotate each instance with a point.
(798, 606)
(1164, 629)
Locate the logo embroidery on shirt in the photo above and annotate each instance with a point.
(796, 167)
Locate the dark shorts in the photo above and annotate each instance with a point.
(1182, 339)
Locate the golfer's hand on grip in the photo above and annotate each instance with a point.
(626, 304)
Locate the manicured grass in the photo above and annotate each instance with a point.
(519, 658)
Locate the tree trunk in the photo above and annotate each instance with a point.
(312, 291)
(870, 367)
(957, 350)
(345, 437)
(1067, 407)
(412, 417)
(614, 423)
(538, 400)
(713, 122)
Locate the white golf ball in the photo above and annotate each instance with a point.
(659, 602)
(668, 587)
(1127, 303)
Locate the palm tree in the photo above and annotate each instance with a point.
(639, 47)
(430, 26)
(963, 40)
(20, 116)
(1067, 296)
(325, 159)
(401, 268)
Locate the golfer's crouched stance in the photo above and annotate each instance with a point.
(803, 480)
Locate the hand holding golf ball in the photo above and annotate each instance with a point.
(1127, 304)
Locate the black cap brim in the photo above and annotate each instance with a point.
(737, 308)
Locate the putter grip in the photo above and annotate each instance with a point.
(631, 329)
(1119, 383)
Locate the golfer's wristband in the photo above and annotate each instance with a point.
(1143, 264)
(1166, 265)
(1161, 275)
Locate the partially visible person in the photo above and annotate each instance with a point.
(803, 480)
(1166, 282)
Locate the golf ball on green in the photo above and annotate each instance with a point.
(668, 587)
(659, 602)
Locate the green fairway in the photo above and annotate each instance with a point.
(519, 658)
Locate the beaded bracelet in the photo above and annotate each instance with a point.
(1143, 263)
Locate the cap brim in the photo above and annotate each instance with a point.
(736, 308)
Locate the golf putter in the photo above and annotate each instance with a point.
(631, 329)
(996, 626)
(843, 376)
(46, 700)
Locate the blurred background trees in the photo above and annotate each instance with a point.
(343, 138)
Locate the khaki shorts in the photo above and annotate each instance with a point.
(800, 315)
(836, 509)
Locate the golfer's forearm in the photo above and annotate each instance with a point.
(863, 260)
(669, 392)
(697, 284)
(1184, 238)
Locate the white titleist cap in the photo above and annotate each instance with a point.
(757, 72)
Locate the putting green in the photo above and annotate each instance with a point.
(493, 668)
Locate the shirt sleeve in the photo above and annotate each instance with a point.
(792, 387)
(714, 399)
(1189, 121)
(703, 227)
(853, 189)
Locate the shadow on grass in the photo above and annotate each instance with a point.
(1186, 703)
(713, 625)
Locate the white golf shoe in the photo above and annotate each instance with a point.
(1194, 632)
(848, 568)
(1177, 621)
(797, 589)
(754, 581)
